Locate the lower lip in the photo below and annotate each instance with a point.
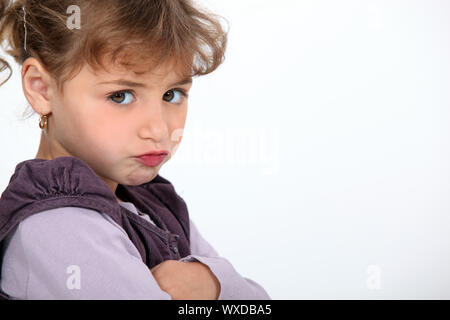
(151, 161)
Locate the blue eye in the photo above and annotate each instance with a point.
(119, 96)
(171, 94)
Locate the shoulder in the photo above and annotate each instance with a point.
(65, 228)
(69, 219)
(64, 217)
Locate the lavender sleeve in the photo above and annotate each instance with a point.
(74, 253)
(233, 285)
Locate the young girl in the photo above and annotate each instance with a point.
(90, 217)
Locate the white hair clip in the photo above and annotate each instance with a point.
(25, 27)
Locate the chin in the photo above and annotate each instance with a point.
(140, 179)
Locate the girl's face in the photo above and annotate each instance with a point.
(106, 119)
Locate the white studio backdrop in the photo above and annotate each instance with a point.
(316, 158)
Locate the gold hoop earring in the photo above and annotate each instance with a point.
(43, 122)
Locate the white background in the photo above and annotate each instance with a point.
(316, 158)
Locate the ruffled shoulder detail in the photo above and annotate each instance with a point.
(37, 179)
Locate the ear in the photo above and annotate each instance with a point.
(37, 86)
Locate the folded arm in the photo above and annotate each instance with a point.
(75, 253)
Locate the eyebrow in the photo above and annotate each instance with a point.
(133, 84)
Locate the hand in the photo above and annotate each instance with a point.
(186, 280)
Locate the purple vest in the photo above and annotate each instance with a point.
(39, 185)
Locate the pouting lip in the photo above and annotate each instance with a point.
(154, 153)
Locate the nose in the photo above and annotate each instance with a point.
(154, 125)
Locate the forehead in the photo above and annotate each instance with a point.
(168, 71)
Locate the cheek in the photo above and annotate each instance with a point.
(98, 129)
(107, 132)
(176, 126)
(177, 119)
